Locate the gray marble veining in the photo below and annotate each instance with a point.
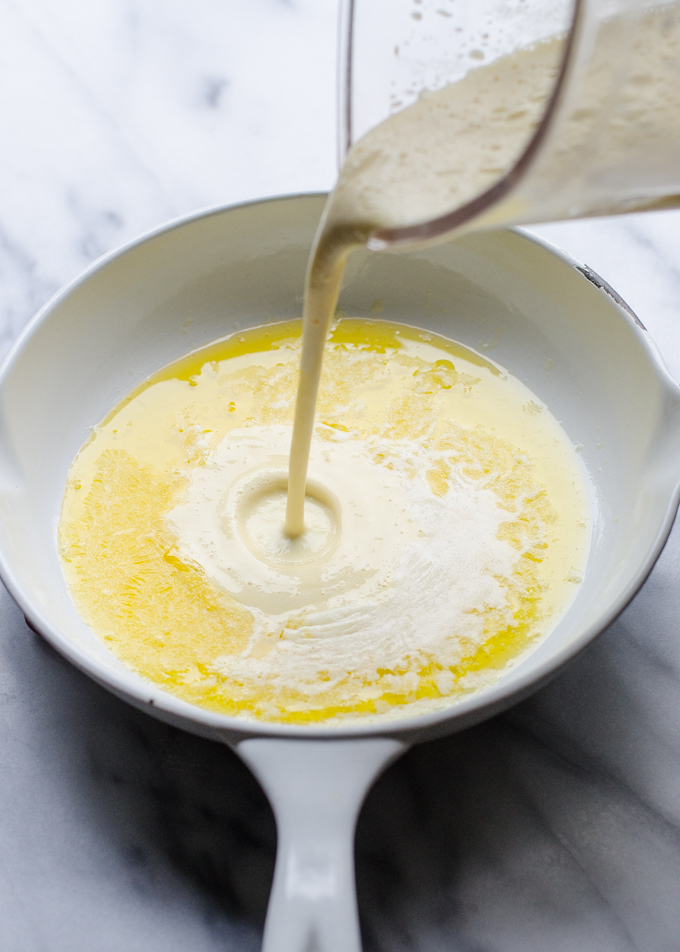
(554, 827)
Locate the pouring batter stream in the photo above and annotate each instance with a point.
(435, 513)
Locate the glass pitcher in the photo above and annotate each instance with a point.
(603, 134)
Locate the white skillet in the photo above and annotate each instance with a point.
(550, 321)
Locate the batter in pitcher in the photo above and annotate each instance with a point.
(427, 525)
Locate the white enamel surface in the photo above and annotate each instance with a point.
(316, 789)
(554, 826)
(567, 340)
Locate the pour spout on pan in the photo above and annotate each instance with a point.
(316, 788)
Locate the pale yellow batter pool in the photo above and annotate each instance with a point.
(451, 529)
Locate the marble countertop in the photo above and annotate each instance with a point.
(554, 827)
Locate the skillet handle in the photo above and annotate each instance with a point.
(316, 788)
